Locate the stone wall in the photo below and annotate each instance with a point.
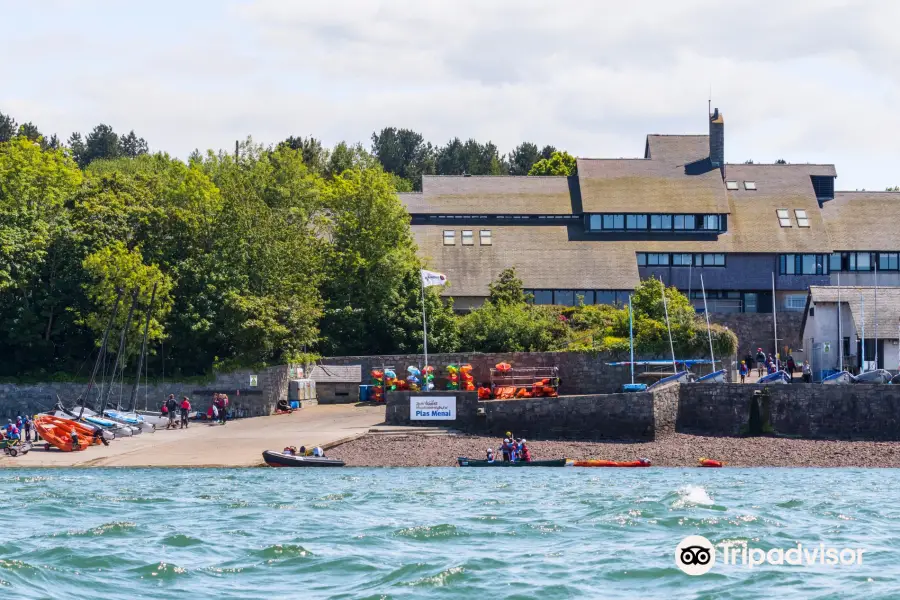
(245, 400)
(580, 372)
(619, 416)
(755, 330)
(869, 412)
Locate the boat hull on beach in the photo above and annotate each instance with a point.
(471, 462)
(279, 459)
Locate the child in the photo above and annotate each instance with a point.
(744, 370)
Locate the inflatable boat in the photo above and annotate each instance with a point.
(641, 462)
(776, 377)
(471, 462)
(280, 459)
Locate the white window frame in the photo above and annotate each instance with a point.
(750, 185)
(467, 237)
(795, 302)
(731, 185)
(802, 218)
(450, 234)
(485, 237)
(784, 217)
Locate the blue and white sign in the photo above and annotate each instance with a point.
(432, 408)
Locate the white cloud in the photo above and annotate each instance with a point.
(804, 81)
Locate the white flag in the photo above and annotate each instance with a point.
(430, 278)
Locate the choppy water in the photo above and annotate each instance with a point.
(441, 533)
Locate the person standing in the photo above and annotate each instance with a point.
(27, 424)
(223, 408)
(185, 411)
(760, 361)
(171, 407)
(745, 370)
(807, 372)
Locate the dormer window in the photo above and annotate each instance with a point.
(784, 218)
(802, 220)
(750, 185)
(731, 185)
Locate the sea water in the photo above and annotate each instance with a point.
(438, 533)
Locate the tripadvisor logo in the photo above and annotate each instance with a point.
(696, 555)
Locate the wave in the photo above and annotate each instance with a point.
(426, 532)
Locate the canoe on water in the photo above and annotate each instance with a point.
(279, 459)
(471, 462)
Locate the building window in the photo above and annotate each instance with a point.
(660, 221)
(642, 259)
(449, 237)
(543, 296)
(681, 260)
(783, 219)
(595, 223)
(795, 302)
(887, 261)
(860, 261)
(584, 297)
(749, 185)
(485, 237)
(564, 297)
(823, 186)
(635, 221)
(711, 222)
(685, 222)
(835, 261)
(468, 238)
(731, 185)
(613, 221)
(713, 260)
(655, 259)
(808, 264)
(802, 220)
(606, 297)
(803, 264)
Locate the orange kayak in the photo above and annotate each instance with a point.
(708, 462)
(57, 432)
(641, 462)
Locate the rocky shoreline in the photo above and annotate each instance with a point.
(678, 450)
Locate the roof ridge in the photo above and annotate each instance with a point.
(677, 135)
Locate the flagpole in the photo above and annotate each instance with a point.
(424, 322)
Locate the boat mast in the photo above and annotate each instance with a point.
(840, 329)
(140, 364)
(876, 311)
(712, 358)
(631, 336)
(120, 350)
(862, 317)
(775, 322)
(102, 353)
(666, 309)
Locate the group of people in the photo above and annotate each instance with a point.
(768, 363)
(292, 451)
(511, 450)
(218, 411)
(16, 431)
(171, 409)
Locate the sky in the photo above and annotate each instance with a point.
(814, 82)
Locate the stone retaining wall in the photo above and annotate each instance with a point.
(271, 386)
(859, 411)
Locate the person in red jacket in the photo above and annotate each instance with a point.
(185, 411)
(525, 452)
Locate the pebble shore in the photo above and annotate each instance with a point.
(679, 450)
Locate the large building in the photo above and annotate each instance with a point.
(677, 213)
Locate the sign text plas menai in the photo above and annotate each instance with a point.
(432, 408)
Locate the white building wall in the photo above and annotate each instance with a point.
(823, 327)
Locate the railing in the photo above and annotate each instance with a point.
(717, 305)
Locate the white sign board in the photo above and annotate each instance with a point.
(253, 381)
(432, 408)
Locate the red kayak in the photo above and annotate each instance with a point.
(708, 462)
(641, 462)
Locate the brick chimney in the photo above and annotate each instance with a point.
(717, 139)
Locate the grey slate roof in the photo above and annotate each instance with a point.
(863, 220)
(452, 194)
(861, 301)
(753, 224)
(679, 149)
(336, 374)
(545, 257)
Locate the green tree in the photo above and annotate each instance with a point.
(8, 128)
(101, 142)
(132, 146)
(469, 158)
(507, 289)
(315, 156)
(404, 153)
(77, 149)
(559, 163)
(895, 188)
(344, 157)
(522, 158)
(513, 328)
(30, 131)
